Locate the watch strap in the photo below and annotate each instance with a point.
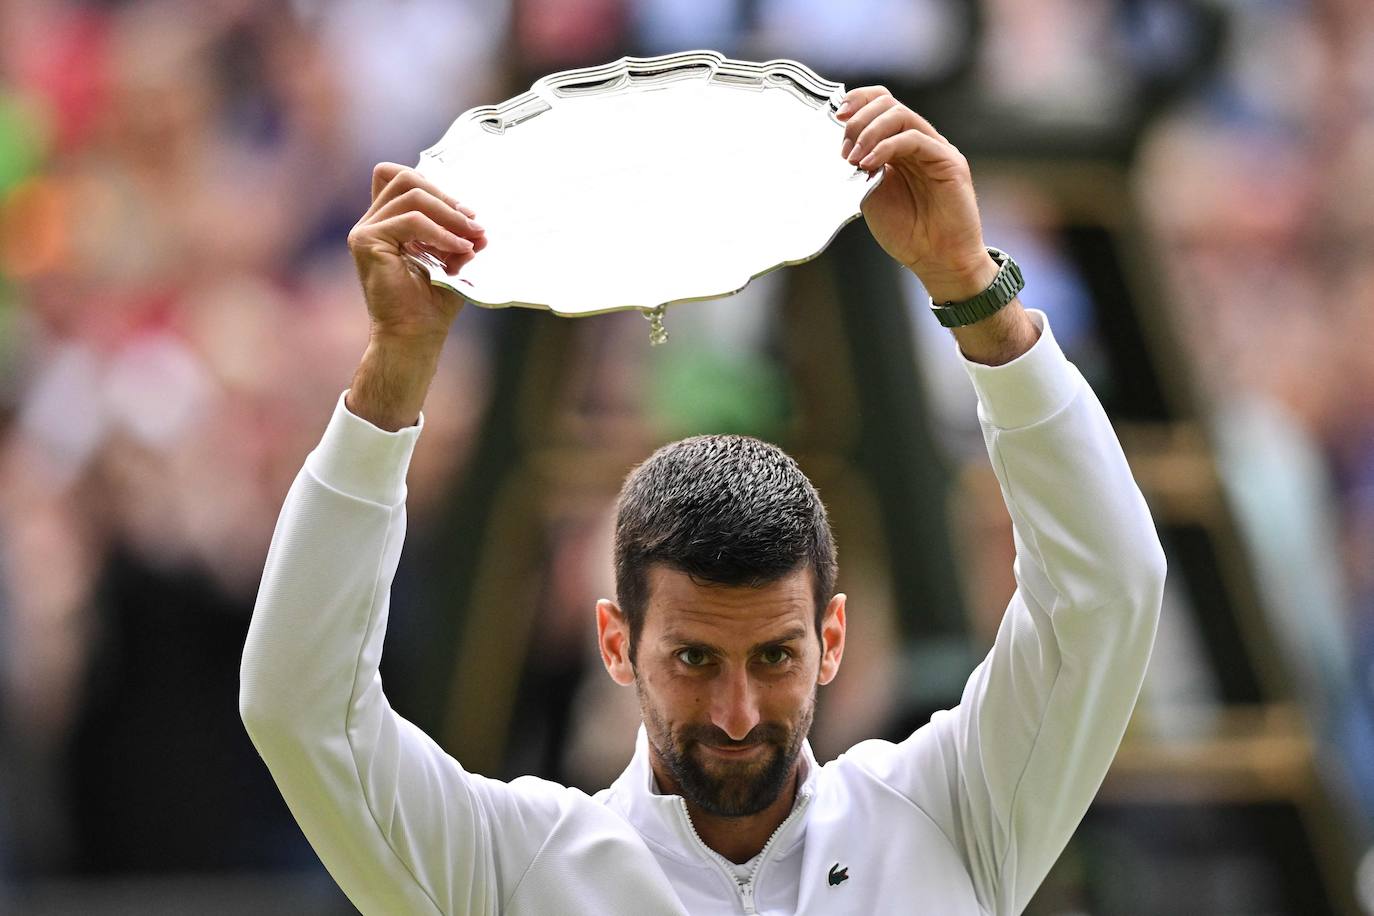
(1002, 290)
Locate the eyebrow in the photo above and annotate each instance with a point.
(794, 633)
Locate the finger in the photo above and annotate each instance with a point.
(420, 200)
(438, 210)
(936, 159)
(405, 229)
(856, 99)
(481, 240)
(406, 179)
(887, 124)
(862, 118)
(382, 173)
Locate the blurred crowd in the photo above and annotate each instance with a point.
(179, 313)
(1259, 189)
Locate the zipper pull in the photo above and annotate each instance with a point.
(746, 896)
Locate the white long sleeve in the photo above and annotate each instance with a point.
(398, 823)
(1009, 773)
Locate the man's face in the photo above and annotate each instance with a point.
(726, 678)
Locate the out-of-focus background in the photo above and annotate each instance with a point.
(1189, 187)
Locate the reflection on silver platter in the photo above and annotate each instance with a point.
(647, 181)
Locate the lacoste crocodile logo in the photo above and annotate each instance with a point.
(838, 875)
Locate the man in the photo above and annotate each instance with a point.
(725, 624)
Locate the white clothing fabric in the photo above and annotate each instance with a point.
(965, 816)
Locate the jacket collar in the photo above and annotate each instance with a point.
(662, 819)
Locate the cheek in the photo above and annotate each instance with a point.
(785, 697)
(673, 699)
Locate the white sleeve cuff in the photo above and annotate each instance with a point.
(362, 460)
(1033, 387)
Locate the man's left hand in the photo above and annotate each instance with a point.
(924, 213)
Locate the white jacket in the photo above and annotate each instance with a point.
(966, 816)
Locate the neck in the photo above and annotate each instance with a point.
(738, 839)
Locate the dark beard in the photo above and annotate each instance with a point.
(744, 788)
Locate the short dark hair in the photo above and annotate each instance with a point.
(727, 510)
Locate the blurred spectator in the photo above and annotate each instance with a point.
(1258, 190)
(178, 314)
(405, 69)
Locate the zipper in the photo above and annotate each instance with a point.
(746, 890)
(711, 854)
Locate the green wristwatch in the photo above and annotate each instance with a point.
(1004, 288)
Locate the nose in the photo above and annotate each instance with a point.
(734, 707)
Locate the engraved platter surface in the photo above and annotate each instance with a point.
(646, 182)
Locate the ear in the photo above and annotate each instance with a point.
(832, 639)
(613, 637)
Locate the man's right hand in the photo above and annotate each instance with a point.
(409, 214)
(410, 316)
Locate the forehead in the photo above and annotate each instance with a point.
(681, 606)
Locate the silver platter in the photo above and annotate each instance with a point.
(646, 182)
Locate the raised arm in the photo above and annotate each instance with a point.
(1009, 773)
(398, 823)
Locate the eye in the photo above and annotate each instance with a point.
(693, 656)
(774, 655)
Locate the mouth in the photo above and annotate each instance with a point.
(736, 752)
